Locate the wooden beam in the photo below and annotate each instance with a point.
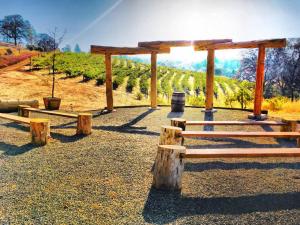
(153, 81)
(209, 94)
(109, 87)
(235, 123)
(272, 43)
(180, 43)
(124, 50)
(221, 134)
(242, 153)
(260, 69)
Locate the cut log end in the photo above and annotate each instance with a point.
(23, 112)
(168, 168)
(40, 131)
(170, 135)
(84, 123)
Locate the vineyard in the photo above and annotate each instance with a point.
(134, 77)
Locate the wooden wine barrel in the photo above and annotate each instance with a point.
(178, 102)
(12, 105)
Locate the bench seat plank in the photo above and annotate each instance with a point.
(69, 115)
(242, 152)
(14, 118)
(273, 123)
(218, 134)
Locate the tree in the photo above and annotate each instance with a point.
(290, 75)
(31, 36)
(273, 68)
(50, 42)
(67, 48)
(46, 43)
(14, 27)
(77, 48)
(245, 94)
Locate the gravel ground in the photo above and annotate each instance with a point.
(105, 178)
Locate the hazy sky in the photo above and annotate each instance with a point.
(125, 22)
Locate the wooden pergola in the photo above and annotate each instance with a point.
(158, 47)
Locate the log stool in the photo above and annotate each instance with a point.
(84, 123)
(40, 131)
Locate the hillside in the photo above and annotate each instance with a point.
(133, 78)
(10, 54)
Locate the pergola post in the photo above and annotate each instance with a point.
(210, 70)
(108, 82)
(260, 68)
(153, 91)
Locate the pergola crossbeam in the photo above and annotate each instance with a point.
(125, 50)
(272, 43)
(161, 45)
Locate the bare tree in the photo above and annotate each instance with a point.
(290, 75)
(273, 68)
(56, 40)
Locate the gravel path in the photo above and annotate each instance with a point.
(105, 178)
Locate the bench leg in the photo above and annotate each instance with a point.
(178, 122)
(168, 167)
(170, 135)
(22, 111)
(40, 131)
(84, 123)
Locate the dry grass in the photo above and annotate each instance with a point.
(75, 94)
(282, 107)
(105, 178)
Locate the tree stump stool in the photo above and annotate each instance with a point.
(170, 135)
(168, 167)
(84, 123)
(23, 112)
(40, 131)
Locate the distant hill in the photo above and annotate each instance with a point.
(227, 67)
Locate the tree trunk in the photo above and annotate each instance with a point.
(53, 75)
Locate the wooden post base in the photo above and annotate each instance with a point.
(168, 167)
(209, 110)
(170, 135)
(84, 123)
(40, 131)
(23, 112)
(257, 117)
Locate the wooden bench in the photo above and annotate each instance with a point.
(39, 128)
(182, 123)
(174, 135)
(169, 162)
(84, 120)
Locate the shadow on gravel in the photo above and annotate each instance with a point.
(65, 138)
(208, 116)
(17, 126)
(129, 127)
(199, 167)
(13, 150)
(174, 114)
(165, 207)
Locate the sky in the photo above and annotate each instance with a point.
(126, 22)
